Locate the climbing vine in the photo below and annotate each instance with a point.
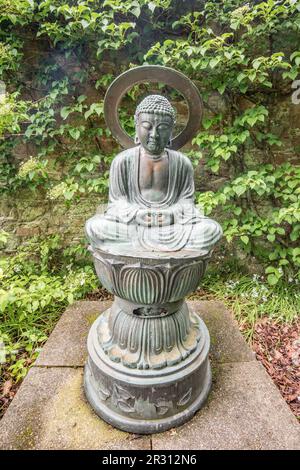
(244, 55)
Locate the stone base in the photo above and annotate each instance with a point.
(147, 401)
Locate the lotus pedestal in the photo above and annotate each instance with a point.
(148, 367)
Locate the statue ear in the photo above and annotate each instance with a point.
(136, 139)
(169, 142)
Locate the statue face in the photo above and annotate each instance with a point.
(154, 132)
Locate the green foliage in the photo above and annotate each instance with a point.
(16, 11)
(280, 225)
(37, 283)
(12, 113)
(251, 298)
(3, 237)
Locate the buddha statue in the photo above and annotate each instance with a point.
(151, 191)
(148, 364)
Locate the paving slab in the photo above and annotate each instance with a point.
(244, 411)
(66, 345)
(50, 412)
(227, 342)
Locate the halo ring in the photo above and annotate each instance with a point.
(153, 73)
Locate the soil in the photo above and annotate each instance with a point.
(8, 389)
(99, 294)
(277, 346)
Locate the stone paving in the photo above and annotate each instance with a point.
(244, 410)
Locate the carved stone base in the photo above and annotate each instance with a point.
(147, 400)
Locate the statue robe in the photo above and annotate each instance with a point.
(118, 224)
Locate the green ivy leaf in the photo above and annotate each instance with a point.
(85, 24)
(221, 88)
(74, 132)
(64, 112)
(272, 279)
(241, 76)
(151, 6)
(245, 239)
(215, 61)
(239, 190)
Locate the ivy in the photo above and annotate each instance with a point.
(244, 54)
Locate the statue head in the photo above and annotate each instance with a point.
(154, 121)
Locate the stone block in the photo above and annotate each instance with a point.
(227, 343)
(51, 412)
(244, 411)
(67, 343)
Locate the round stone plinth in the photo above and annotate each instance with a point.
(147, 401)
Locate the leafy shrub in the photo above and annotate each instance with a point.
(36, 284)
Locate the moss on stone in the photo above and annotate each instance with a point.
(92, 317)
(72, 421)
(25, 440)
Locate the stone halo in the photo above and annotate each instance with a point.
(153, 73)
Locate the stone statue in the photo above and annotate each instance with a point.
(151, 193)
(148, 367)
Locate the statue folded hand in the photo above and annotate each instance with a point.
(150, 218)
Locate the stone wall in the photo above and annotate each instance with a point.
(25, 216)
